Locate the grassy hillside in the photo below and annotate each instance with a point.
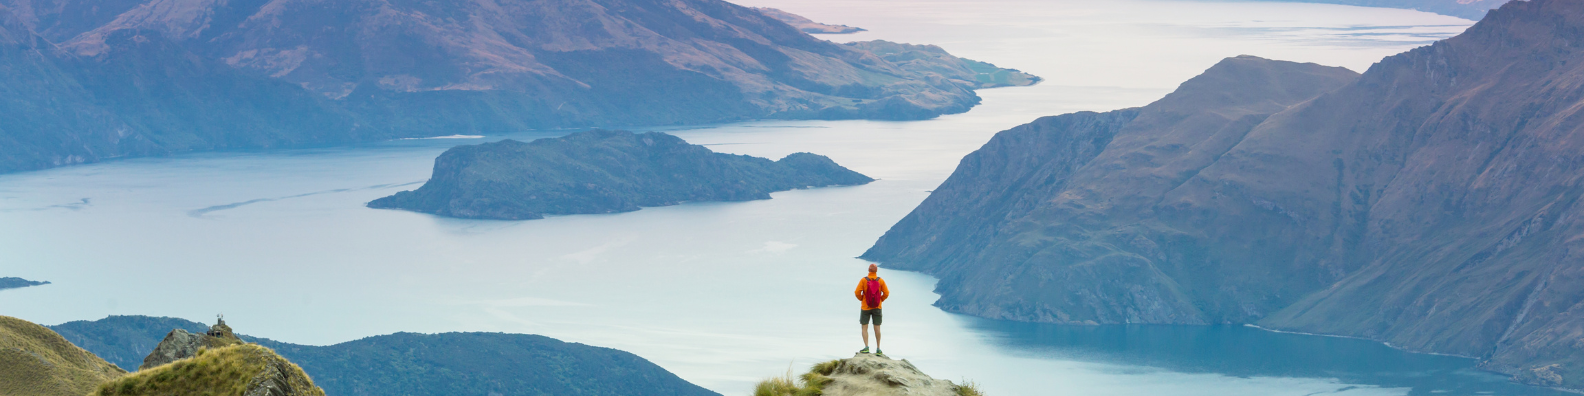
(36, 361)
(232, 370)
(419, 364)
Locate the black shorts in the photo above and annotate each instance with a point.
(863, 318)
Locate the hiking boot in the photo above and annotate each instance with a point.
(878, 353)
(865, 350)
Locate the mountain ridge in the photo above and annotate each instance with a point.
(155, 77)
(1429, 203)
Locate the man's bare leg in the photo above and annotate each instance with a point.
(877, 338)
(866, 336)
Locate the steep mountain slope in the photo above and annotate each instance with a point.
(603, 171)
(418, 364)
(1429, 204)
(1028, 227)
(36, 361)
(148, 77)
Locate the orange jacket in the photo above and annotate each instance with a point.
(864, 284)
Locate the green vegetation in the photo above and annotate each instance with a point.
(36, 361)
(968, 388)
(812, 383)
(603, 171)
(231, 370)
(419, 364)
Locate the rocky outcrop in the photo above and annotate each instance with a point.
(35, 361)
(603, 171)
(806, 25)
(180, 344)
(239, 369)
(89, 81)
(864, 375)
(1430, 203)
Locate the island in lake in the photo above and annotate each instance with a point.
(603, 171)
(16, 283)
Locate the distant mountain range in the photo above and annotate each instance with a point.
(1466, 9)
(1431, 203)
(417, 364)
(87, 80)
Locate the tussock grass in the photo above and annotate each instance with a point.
(809, 384)
(968, 388)
(229, 370)
(34, 360)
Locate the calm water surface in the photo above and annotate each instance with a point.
(722, 294)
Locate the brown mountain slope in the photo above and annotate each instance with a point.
(152, 77)
(36, 361)
(1055, 208)
(1429, 204)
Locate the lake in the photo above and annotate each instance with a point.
(723, 294)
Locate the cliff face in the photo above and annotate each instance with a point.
(602, 171)
(1429, 204)
(90, 80)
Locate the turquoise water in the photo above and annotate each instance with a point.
(723, 294)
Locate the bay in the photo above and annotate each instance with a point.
(723, 294)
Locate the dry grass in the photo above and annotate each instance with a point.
(968, 388)
(36, 361)
(809, 384)
(229, 370)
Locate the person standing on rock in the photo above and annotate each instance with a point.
(871, 292)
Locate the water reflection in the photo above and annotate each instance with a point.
(1249, 352)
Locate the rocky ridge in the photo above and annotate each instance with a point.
(1429, 203)
(864, 375)
(603, 171)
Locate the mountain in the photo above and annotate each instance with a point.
(87, 80)
(804, 24)
(419, 364)
(603, 171)
(481, 364)
(1466, 9)
(863, 374)
(36, 361)
(1430, 203)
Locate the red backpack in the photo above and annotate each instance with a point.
(872, 292)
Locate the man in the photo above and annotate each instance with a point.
(871, 292)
